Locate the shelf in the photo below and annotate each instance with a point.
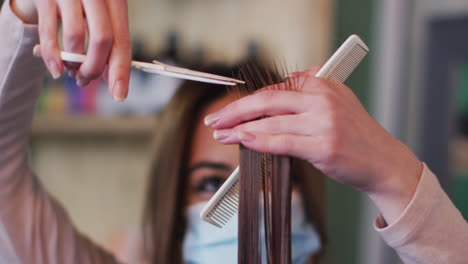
(65, 125)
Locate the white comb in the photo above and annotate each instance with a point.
(224, 203)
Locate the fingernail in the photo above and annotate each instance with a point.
(54, 69)
(119, 92)
(222, 134)
(211, 119)
(246, 136)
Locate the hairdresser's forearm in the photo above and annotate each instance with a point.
(398, 186)
(34, 228)
(21, 77)
(430, 230)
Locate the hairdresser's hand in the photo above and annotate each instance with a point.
(105, 22)
(326, 125)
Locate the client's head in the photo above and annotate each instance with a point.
(188, 166)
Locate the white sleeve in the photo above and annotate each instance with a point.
(430, 229)
(34, 228)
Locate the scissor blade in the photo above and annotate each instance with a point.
(185, 76)
(185, 71)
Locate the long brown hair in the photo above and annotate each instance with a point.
(164, 220)
(274, 175)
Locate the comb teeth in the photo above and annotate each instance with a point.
(347, 65)
(224, 210)
(224, 203)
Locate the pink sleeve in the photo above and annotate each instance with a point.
(430, 229)
(34, 228)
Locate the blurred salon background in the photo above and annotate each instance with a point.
(91, 153)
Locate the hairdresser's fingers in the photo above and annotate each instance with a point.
(47, 14)
(105, 76)
(120, 56)
(295, 74)
(311, 71)
(265, 103)
(271, 103)
(100, 41)
(73, 30)
(312, 149)
(25, 10)
(305, 124)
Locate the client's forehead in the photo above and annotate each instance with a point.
(205, 148)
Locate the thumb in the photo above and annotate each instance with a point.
(312, 71)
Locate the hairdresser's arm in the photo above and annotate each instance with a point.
(106, 25)
(34, 228)
(326, 125)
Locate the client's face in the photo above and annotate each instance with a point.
(210, 162)
(210, 165)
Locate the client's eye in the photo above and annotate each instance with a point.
(209, 184)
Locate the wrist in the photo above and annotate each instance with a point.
(24, 10)
(398, 185)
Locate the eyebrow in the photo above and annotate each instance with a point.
(210, 165)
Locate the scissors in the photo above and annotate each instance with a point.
(157, 67)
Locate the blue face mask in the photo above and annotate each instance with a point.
(205, 243)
